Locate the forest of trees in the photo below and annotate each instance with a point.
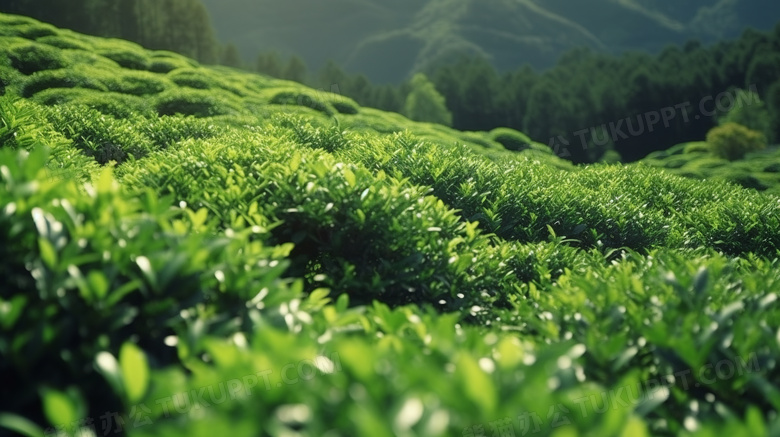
(586, 105)
(589, 102)
(183, 26)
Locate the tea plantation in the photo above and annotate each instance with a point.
(196, 251)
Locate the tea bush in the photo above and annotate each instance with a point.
(127, 58)
(62, 78)
(64, 42)
(87, 58)
(23, 125)
(164, 62)
(114, 104)
(31, 30)
(773, 168)
(752, 171)
(344, 106)
(199, 103)
(510, 139)
(310, 216)
(8, 76)
(170, 130)
(680, 317)
(31, 58)
(189, 77)
(107, 282)
(139, 83)
(304, 99)
(698, 147)
(100, 136)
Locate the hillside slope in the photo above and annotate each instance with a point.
(195, 251)
(389, 41)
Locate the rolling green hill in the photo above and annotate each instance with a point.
(388, 41)
(197, 251)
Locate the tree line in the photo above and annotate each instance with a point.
(182, 26)
(588, 103)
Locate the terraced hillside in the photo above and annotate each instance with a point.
(190, 250)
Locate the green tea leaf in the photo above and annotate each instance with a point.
(20, 425)
(477, 385)
(48, 254)
(107, 365)
(635, 427)
(59, 408)
(134, 370)
(98, 283)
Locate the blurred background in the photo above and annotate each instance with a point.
(548, 68)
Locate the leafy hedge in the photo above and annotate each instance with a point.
(129, 267)
(184, 261)
(31, 58)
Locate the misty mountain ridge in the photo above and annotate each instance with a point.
(388, 41)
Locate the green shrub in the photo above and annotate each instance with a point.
(199, 103)
(344, 106)
(698, 147)
(168, 130)
(478, 138)
(138, 83)
(230, 80)
(773, 168)
(329, 138)
(544, 148)
(8, 76)
(106, 270)
(510, 139)
(9, 20)
(732, 141)
(87, 58)
(132, 59)
(63, 78)
(20, 125)
(301, 98)
(34, 31)
(745, 180)
(690, 173)
(114, 104)
(611, 156)
(677, 149)
(676, 162)
(707, 163)
(100, 136)
(64, 42)
(31, 58)
(424, 103)
(23, 125)
(164, 66)
(657, 155)
(191, 78)
(749, 111)
(172, 57)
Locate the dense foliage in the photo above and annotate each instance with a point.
(193, 250)
(424, 103)
(390, 41)
(732, 141)
(183, 26)
(590, 103)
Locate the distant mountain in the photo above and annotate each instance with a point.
(389, 40)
